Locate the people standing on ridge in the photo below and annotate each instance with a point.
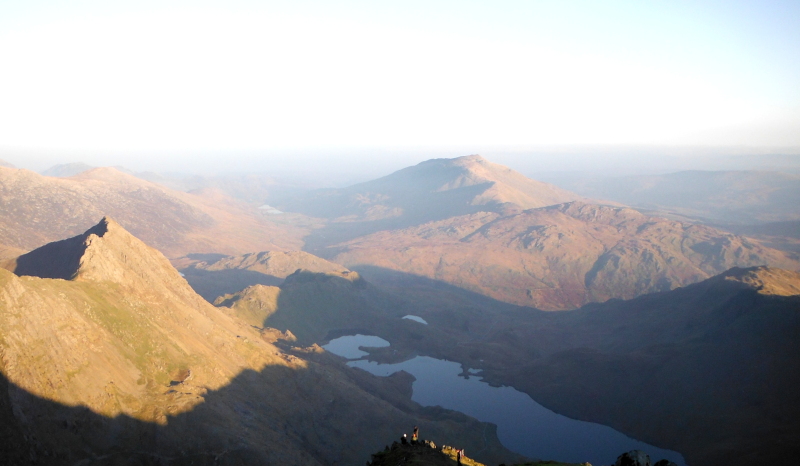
(404, 439)
(459, 455)
(415, 435)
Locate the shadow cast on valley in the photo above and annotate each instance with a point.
(325, 414)
(709, 370)
(211, 284)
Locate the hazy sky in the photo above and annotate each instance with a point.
(177, 78)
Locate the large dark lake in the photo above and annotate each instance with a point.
(523, 425)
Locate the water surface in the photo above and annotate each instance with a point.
(523, 425)
(416, 319)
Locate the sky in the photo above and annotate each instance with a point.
(209, 83)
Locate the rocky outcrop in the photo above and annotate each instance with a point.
(254, 305)
(766, 280)
(279, 264)
(633, 458)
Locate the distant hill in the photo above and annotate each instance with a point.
(3, 163)
(308, 301)
(732, 197)
(66, 170)
(119, 361)
(229, 274)
(433, 190)
(558, 257)
(36, 209)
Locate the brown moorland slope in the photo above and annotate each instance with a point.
(124, 362)
(561, 256)
(35, 209)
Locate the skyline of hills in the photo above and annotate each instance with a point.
(733, 197)
(36, 209)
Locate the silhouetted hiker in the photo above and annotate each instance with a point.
(459, 455)
(404, 439)
(415, 435)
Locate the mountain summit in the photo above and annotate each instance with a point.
(432, 190)
(107, 253)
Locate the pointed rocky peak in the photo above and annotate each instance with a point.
(766, 280)
(59, 259)
(106, 253)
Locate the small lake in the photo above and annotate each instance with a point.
(523, 425)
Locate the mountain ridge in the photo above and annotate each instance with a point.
(36, 210)
(429, 191)
(560, 256)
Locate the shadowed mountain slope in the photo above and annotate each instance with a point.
(308, 302)
(35, 209)
(561, 256)
(124, 362)
(709, 370)
(229, 274)
(432, 190)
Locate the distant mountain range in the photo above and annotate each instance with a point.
(434, 190)
(110, 356)
(733, 197)
(36, 209)
(464, 221)
(488, 229)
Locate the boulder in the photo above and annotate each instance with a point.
(664, 462)
(633, 458)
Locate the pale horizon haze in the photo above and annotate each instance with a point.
(225, 85)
